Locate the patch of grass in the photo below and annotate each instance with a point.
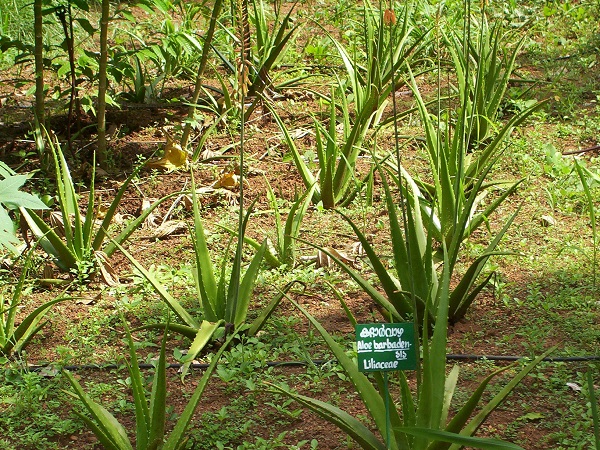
(33, 411)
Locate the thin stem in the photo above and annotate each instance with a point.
(203, 60)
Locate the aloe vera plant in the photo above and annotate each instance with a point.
(459, 177)
(221, 304)
(413, 285)
(484, 64)
(385, 55)
(283, 250)
(422, 294)
(335, 179)
(14, 338)
(150, 431)
(82, 249)
(416, 421)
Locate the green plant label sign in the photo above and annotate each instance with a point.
(386, 346)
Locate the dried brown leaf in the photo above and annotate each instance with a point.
(109, 275)
(169, 228)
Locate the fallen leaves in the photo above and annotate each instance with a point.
(323, 258)
(174, 158)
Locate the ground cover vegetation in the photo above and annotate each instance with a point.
(200, 200)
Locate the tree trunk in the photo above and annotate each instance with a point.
(39, 62)
(103, 84)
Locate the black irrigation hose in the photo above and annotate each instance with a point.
(319, 362)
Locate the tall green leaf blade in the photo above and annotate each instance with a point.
(160, 289)
(305, 173)
(292, 226)
(235, 302)
(158, 399)
(473, 442)
(49, 240)
(113, 431)
(266, 312)
(106, 441)
(347, 423)
(389, 285)
(30, 326)
(476, 422)
(205, 277)
(431, 399)
(367, 287)
(142, 412)
(368, 394)
(464, 413)
(202, 338)
(247, 286)
(177, 438)
(112, 210)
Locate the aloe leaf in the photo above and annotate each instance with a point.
(112, 209)
(247, 286)
(594, 408)
(478, 219)
(52, 244)
(369, 395)
(279, 230)
(476, 422)
(305, 173)
(142, 413)
(431, 398)
(458, 421)
(413, 266)
(491, 150)
(90, 215)
(177, 437)
(7, 322)
(347, 423)
(29, 326)
(391, 287)
(467, 299)
(105, 440)
(158, 399)
(271, 256)
(266, 312)
(184, 330)
(113, 433)
(171, 302)
(292, 225)
(343, 303)
(67, 199)
(238, 296)
(591, 212)
(449, 388)
(129, 229)
(367, 287)
(203, 337)
(327, 154)
(408, 404)
(474, 442)
(459, 299)
(205, 277)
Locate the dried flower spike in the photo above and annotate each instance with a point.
(389, 17)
